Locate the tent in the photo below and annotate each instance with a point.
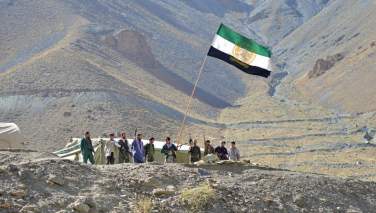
(72, 151)
(10, 136)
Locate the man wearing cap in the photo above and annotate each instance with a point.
(87, 148)
(138, 150)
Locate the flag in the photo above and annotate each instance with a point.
(241, 52)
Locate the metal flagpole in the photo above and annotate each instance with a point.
(190, 100)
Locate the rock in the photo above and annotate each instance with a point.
(323, 65)
(6, 205)
(55, 180)
(352, 209)
(160, 192)
(171, 188)
(80, 206)
(29, 208)
(299, 200)
(62, 211)
(18, 193)
(12, 168)
(2, 170)
(22, 186)
(203, 172)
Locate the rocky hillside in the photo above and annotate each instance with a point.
(55, 185)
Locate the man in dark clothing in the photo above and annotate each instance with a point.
(222, 151)
(87, 148)
(195, 152)
(208, 148)
(169, 150)
(124, 152)
(149, 150)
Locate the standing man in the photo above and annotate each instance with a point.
(234, 153)
(124, 152)
(195, 152)
(109, 149)
(169, 150)
(138, 149)
(149, 150)
(87, 148)
(222, 151)
(208, 148)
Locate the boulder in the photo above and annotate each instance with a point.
(80, 207)
(161, 192)
(55, 180)
(299, 200)
(6, 205)
(18, 193)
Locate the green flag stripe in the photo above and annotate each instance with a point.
(243, 41)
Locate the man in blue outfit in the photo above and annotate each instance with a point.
(138, 150)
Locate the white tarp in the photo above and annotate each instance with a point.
(10, 136)
(73, 152)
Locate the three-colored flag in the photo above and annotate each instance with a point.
(241, 52)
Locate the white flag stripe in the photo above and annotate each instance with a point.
(227, 47)
(223, 45)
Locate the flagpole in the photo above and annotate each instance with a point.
(190, 100)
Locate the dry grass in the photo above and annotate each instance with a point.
(198, 197)
(145, 205)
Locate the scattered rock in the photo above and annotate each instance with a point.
(160, 192)
(6, 205)
(80, 206)
(203, 172)
(352, 209)
(299, 200)
(55, 180)
(18, 193)
(12, 168)
(29, 208)
(171, 188)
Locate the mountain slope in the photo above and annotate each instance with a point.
(71, 66)
(331, 58)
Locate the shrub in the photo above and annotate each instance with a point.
(198, 197)
(145, 205)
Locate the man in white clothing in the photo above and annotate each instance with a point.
(234, 153)
(109, 149)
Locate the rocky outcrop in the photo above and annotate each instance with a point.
(323, 65)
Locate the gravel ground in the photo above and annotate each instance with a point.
(56, 185)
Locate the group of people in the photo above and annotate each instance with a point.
(220, 151)
(140, 153)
